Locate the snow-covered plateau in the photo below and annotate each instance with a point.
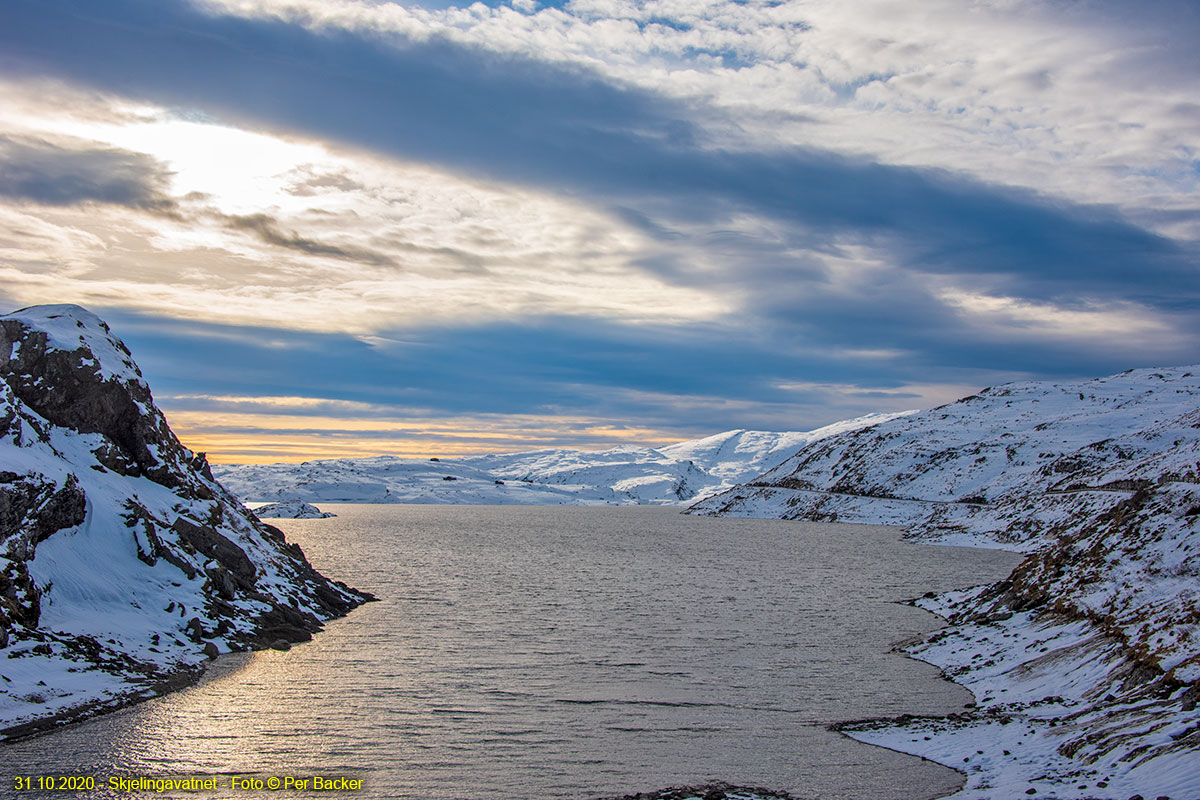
(674, 474)
(1085, 662)
(124, 565)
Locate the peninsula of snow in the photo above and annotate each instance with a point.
(290, 509)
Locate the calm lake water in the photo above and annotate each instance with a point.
(523, 653)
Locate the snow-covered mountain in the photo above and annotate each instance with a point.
(123, 563)
(1086, 661)
(388, 479)
(738, 456)
(622, 475)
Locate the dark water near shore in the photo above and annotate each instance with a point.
(542, 653)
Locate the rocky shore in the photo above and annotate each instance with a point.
(1085, 662)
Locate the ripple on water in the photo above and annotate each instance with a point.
(549, 653)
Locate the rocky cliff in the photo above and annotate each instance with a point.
(123, 563)
(1086, 661)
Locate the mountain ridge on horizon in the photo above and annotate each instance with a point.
(623, 475)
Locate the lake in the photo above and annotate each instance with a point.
(539, 653)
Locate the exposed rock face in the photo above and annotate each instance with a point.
(1099, 482)
(69, 388)
(123, 563)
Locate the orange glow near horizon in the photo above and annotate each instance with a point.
(244, 438)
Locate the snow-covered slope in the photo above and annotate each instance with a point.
(738, 456)
(123, 563)
(1088, 656)
(627, 474)
(387, 479)
(623, 475)
(290, 509)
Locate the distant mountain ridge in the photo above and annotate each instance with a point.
(624, 475)
(123, 564)
(1086, 661)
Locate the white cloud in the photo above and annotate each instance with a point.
(1128, 324)
(290, 233)
(42, 245)
(1011, 91)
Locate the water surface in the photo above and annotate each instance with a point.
(546, 653)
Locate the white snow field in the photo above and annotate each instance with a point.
(671, 475)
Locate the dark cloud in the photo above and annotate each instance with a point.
(267, 228)
(465, 261)
(314, 183)
(694, 380)
(52, 174)
(543, 367)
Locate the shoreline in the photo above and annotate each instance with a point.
(904, 647)
(724, 791)
(186, 676)
(87, 710)
(1060, 710)
(901, 647)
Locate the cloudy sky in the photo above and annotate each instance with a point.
(345, 227)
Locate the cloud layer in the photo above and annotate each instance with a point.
(688, 216)
(45, 173)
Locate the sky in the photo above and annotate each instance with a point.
(349, 228)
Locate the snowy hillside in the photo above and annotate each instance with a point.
(622, 475)
(123, 563)
(290, 509)
(387, 479)
(738, 456)
(1086, 661)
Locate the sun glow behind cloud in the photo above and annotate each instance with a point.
(259, 229)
